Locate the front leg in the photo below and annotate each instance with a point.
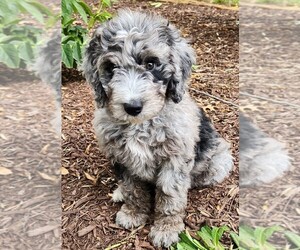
(171, 200)
(138, 198)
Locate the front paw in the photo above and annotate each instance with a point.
(165, 234)
(128, 218)
(117, 195)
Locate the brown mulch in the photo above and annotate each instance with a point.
(29, 164)
(88, 212)
(269, 57)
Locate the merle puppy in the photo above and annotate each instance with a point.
(147, 125)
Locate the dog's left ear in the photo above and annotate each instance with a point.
(182, 58)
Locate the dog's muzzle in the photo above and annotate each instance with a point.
(133, 108)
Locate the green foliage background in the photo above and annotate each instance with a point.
(75, 36)
(19, 41)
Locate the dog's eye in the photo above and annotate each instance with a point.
(150, 65)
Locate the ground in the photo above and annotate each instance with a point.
(269, 68)
(88, 212)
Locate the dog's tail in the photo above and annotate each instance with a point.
(262, 159)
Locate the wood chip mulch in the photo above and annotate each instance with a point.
(29, 164)
(269, 67)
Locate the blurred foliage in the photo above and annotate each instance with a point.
(19, 39)
(77, 19)
(226, 2)
(261, 238)
(280, 2)
(258, 238)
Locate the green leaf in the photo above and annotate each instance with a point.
(9, 55)
(235, 238)
(106, 3)
(31, 9)
(81, 11)
(214, 235)
(104, 16)
(91, 22)
(4, 10)
(294, 238)
(86, 8)
(246, 237)
(6, 39)
(77, 52)
(66, 8)
(67, 21)
(43, 9)
(67, 55)
(52, 20)
(259, 236)
(185, 246)
(206, 238)
(270, 230)
(25, 51)
(186, 237)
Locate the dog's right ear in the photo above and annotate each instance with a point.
(90, 70)
(182, 57)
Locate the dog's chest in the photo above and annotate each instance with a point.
(141, 148)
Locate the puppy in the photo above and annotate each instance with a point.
(159, 142)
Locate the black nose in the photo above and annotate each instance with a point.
(133, 108)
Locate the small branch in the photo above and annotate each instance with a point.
(133, 232)
(270, 100)
(215, 97)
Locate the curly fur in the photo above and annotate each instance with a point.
(47, 67)
(170, 145)
(262, 158)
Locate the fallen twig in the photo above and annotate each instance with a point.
(270, 100)
(42, 230)
(215, 97)
(133, 232)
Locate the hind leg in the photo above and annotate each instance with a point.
(215, 165)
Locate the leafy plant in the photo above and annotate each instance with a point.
(294, 238)
(19, 41)
(259, 238)
(209, 238)
(226, 2)
(74, 36)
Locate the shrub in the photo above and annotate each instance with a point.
(19, 41)
(74, 36)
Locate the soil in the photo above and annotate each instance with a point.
(88, 212)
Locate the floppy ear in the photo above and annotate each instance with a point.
(182, 58)
(90, 70)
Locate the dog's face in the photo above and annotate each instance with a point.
(136, 63)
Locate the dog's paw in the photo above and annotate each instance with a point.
(117, 195)
(165, 235)
(128, 219)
